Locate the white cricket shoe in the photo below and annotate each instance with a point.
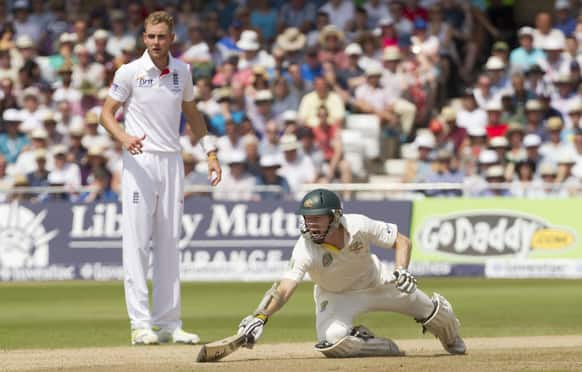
(144, 336)
(178, 336)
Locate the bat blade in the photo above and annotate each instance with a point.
(214, 351)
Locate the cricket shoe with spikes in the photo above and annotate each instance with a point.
(144, 336)
(177, 336)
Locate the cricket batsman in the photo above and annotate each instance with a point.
(335, 250)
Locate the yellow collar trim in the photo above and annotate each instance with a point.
(330, 247)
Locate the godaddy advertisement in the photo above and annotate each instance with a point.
(511, 237)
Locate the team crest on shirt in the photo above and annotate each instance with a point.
(175, 83)
(327, 259)
(356, 246)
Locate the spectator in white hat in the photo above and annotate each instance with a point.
(544, 31)
(425, 144)
(32, 110)
(97, 46)
(263, 112)
(64, 173)
(556, 62)
(26, 161)
(471, 115)
(85, 70)
(65, 91)
(515, 133)
(393, 77)
(495, 177)
(270, 141)
(352, 75)
(251, 53)
(270, 165)
(525, 56)
(495, 127)
(297, 168)
(237, 183)
(12, 141)
(554, 145)
(534, 117)
(496, 70)
(565, 94)
(54, 132)
(532, 143)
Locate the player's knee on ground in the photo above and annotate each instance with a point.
(336, 331)
(444, 324)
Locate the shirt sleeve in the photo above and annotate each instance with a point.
(381, 234)
(299, 263)
(188, 94)
(122, 83)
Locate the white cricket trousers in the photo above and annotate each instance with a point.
(153, 203)
(335, 312)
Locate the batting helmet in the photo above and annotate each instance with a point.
(319, 202)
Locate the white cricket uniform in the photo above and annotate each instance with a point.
(350, 281)
(152, 186)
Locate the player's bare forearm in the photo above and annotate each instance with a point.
(194, 119)
(108, 120)
(403, 248)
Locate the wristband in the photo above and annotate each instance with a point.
(208, 144)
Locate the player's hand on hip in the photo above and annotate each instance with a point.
(404, 280)
(214, 171)
(252, 328)
(133, 144)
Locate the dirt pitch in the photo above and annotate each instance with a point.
(556, 353)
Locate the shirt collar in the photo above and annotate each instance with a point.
(150, 66)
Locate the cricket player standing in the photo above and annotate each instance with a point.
(153, 91)
(335, 250)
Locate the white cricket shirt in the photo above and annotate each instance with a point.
(352, 268)
(153, 100)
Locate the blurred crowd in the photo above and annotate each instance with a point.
(458, 91)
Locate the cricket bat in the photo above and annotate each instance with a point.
(214, 351)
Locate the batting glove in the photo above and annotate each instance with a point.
(252, 328)
(404, 280)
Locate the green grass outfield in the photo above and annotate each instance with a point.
(81, 314)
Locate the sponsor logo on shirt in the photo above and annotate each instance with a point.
(327, 259)
(144, 82)
(323, 306)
